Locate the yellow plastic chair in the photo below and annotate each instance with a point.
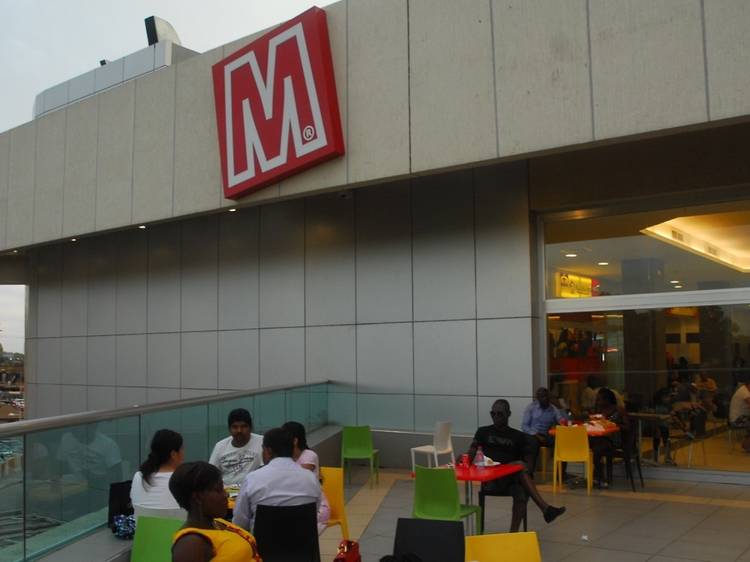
(333, 488)
(503, 547)
(572, 445)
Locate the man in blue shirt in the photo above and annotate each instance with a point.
(538, 418)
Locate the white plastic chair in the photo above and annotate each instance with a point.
(441, 445)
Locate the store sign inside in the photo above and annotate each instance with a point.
(276, 106)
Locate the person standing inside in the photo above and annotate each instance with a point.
(739, 411)
(239, 454)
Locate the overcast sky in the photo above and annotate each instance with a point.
(45, 42)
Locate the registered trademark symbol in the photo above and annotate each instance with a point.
(308, 132)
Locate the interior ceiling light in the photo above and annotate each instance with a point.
(603, 263)
(232, 210)
(74, 239)
(674, 282)
(142, 226)
(678, 286)
(571, 255)
(697, 242)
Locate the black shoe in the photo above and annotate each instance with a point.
(552, 513)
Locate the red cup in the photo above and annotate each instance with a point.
(464, 460)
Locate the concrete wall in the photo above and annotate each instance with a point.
(422, 85)
(415, 295)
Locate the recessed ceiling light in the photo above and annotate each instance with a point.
(142, 226)
(16, 251)
(678, 286)
(571, 255)
(603, 263)
(232, 210)
(674, 282)
(74, 239)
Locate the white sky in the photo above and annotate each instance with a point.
(45, 42)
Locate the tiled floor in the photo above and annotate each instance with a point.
(666, 522)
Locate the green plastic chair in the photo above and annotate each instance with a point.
(356, 443)
(153, 539)
(436, 497)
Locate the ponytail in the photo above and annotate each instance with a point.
(163, 443)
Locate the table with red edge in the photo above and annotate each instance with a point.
(472, 473)
(593, 430)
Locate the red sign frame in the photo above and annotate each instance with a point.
(277, 110)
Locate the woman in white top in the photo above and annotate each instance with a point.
(307, 458)
(149, 491)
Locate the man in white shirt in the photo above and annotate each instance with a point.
(739, 411)
(240, 453)
(280, 482)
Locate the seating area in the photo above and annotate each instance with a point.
(669, 521)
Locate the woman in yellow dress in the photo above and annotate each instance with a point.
(206, 537)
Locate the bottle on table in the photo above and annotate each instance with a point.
(479, 457)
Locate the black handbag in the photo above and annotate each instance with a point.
(119, 501)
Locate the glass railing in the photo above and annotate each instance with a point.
(55, 473)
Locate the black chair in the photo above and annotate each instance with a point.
(430, 540)
(628, 452)
(484, 493)
(287, 533)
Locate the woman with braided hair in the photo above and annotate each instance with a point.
(206, 537)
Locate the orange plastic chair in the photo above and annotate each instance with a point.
(333, 488)
(503, 546)
(572, 445)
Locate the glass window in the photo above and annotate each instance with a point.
(684, 364)
(651, 252)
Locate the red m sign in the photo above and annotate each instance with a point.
(276, 105)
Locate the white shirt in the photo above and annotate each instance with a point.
(281, 482)
(155, 495)
(236, 463)
(738, 406)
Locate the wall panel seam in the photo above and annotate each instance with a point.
(705, 59)
(494, 84)
(591, 70)
(7, 197)
(96, 166)
(174, 138)
(408, 80)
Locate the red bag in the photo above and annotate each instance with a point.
(348, 552)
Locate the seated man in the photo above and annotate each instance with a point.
(280, 482)
(739, 411)
(538, 418)
(239, 454)
(509, 446)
